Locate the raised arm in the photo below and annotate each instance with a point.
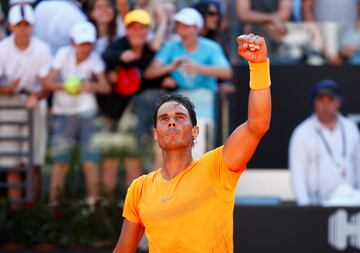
(160, 30)
(242, 143)
(130, 236)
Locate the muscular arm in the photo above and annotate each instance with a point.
(161, 29)
(130, 236)
(242, 143)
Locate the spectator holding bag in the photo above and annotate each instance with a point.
(126, 60)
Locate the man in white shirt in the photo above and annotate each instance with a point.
(24, 64)
(54, 21)
(324, 151)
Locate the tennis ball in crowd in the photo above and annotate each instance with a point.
(72, 85)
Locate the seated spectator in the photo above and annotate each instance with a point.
(324, 150)
(74, 108)
(126, 60)
(195, 63)
(23, 85)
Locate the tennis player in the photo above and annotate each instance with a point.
(187, 205)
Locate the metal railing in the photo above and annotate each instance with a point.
(20, 139)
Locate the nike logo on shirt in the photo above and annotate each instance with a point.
(165, 199)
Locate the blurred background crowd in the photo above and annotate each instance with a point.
(79, 81)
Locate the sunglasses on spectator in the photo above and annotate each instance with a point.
(213, 13)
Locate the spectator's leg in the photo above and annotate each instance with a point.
(91, 173)
(36, 182)
(14, 178)
(109, 175)
(133, 169)
(57, 182)
(89, 155)
(62, 144)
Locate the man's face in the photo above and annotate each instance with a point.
(326, 107)
(83, 50)
(186, 31)
(137, 34)
(174, 129)
(22, 30)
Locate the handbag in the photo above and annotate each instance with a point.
(128, 81)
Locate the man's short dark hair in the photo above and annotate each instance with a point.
(185, 101)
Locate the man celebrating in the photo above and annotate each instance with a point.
(187, 205)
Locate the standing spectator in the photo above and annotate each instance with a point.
(54, 21)
(324, 151)
(335, 18)
(23, 85)
(75, 108)
(195, 63)
(125, 56)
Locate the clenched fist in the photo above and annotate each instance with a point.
(252, 48)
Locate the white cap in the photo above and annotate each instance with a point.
(189, 16)
(12, 2)
(20, 13)
(83, 32)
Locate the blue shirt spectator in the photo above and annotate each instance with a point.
(208, 53)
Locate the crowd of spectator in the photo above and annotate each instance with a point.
(78, 63)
